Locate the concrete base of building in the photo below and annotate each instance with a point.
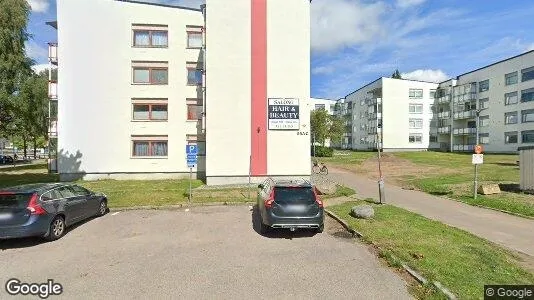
(129, 176)
(228, 180)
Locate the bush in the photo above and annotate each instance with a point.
(321, 151)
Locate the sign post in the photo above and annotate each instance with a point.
(478, 159)
(192, 152)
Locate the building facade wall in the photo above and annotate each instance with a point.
(95, 126)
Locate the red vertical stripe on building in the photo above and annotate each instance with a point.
(259, 88)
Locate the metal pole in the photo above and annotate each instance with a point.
(249, 176)
(381, 192)
(190, 179)
(314, 145)
(475, 185)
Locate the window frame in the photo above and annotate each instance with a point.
(415, 120)
(529, 71)
(529, 132)
(510, 75)
(150, 104)
(150, 69)
(199, 116)
(197, 70)
(415, 110)
(506, 97)
(189, 32)
(150, 140)
(509, 134)
(415, 93)
(483, 101)
(415, 134)
(150, 33)
(480, 88)
(525, 112)
(527, 91)
(511, 113)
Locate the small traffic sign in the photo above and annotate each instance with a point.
(191, 149)
(478, 149)
(478, 159)
(191, 156)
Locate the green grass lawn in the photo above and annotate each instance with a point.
(459, 260)
(449, 174)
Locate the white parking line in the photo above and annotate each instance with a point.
(114, 214)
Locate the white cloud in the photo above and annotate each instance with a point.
(41, 67)
(408, 3)
(426, 75)
(39, 6)
(337, 24)
(323, 70)
(36, 51)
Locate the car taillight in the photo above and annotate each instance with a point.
(269, 202)
(317, 199)
(34, 207)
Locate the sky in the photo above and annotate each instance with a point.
(355, 42)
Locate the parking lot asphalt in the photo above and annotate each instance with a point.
(203, 253)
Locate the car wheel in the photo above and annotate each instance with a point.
(320, 229)
(102, 208)
(57, 229)
(264, 228)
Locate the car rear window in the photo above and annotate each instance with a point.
(14, 200)
(294, 195)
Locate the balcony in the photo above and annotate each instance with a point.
(52, 53)
(465, 115)
(52, 128)
(372, 116)
(52, 90)
(444, 115)
(374, 101)
(444, 130)
(444, 99)
(464, 131)
(465, 97)
(463, 147)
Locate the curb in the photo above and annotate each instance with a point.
(414, 274)
(179, 206)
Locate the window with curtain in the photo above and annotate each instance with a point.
(150, 38)
(527, 116)
(150, 148)
(157, 112)
(194, 40)
(194, 76)
(194, 112)
(510, 98)
(141, 112)
(510, 117)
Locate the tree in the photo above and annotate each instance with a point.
(14, 65)
(325, 126)
(396, 74)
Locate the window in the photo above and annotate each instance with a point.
(194, 112)
(527, 95)
(416, 138)
(416, 93)
(416, 108)
(66, 192)
(79, 191)
(150, 73)
(194, 39)
(150, 36)
(527, 74)
(51, 195)
(527, 116)
(144, 146)
(483, 86)
(484, 138)
(320, 106)
(433, 139)
(483, 103)
(510, 98)
(510, 117)
(484, 121)
(510, 78)
(193, 139)
(150, 111)
(432, 94)
(510, 137)
(416, 123)
(527, 136)
(194, 74)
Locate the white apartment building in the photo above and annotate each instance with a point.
(502, 94)
(396, 112)
(138, 82)
(405, 115)
(327, 104)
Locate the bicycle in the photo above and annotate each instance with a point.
(322, 169)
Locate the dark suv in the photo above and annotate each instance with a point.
(289, 204)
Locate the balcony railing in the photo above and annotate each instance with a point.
(444, 115)
(463, 147)
(52, 89)
(465, 97)
(52, 128)
(465, 114)
(444, 99)
(52, 53)
(464, 131)
(444, 130)
(374, 101)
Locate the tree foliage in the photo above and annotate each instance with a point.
(14, 65)
(396, 74)
(325, 126)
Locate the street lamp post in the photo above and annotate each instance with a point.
(475, 185)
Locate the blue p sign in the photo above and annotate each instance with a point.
(191, 149)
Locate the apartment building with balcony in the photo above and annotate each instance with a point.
(143, 81)
(502, 94)
(327, 104)
(395, 114)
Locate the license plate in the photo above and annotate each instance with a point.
(5, 216)
(296, 209)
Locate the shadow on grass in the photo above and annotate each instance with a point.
(24, 167)
(506, 164)
(8, 180)
(278, 233)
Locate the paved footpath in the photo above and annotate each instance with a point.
(507, 230)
